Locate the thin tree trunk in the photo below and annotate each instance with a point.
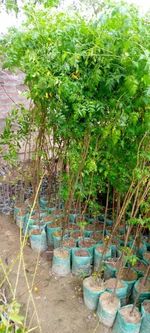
(106, 209)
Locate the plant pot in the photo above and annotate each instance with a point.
(40, 213)
(76, 234)
(98, 255)
(109, 222)
(141, 250)
(107, 308)
(122, 230)
(111, 267)
(127, 323)
(47, 219)
(81, 262)
(140, 267)
(50, 229)
(87, 244)
(72, 217)
(61, 262)
(146, 257)
(69, 244)
(121, 290)
(57, 214)
(88, 230)
(145, 311)
(43, 202)
(57, 238)
(20, 219)
(91, 292)
(143, 293)
(130, 277)
(38, 240)
(19, 209)
(97, 236)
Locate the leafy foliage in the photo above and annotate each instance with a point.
(89, 81)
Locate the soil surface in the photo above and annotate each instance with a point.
(111, 283)
(94, 285)
(128, 274)
(130, 318)
(82, 253)
(143, 288)
(87, 242)
(58, 301)
(141, 266)
(69, 243)
(61, 253)
(146, 305)
(109, 303)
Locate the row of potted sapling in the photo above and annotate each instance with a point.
(120, 284)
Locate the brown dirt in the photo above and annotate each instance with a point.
(140, 266)
(145, 288)
(147, 256)
(110, 283)
(97, 236)
(98, 226)
(36, 232)
(35, 217)
(61, 253)
(82, 253)
(101, 249)
(57, 212)
(47, 218)
(90, 227)
(73, 227)
(146, 305)
(128, 274)
(87, 242)
(76, 234)
(93, 284)
(53, 225)
(69, 243)
(109, 303)
(58, 300)
(114, 262)
(22, 212)
(135, 317)
(57, 234)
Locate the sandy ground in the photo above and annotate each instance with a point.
(58, 301)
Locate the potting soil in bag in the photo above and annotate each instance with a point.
(72, 217)
(130, 277)
(108, 308)
(91, 292)
(56, 240)
(50, 229)
(143, 292)
(87, 244)
(121, 290)
(140, 268)
(38, 240)
(99, 255)
(43, 202)
(145, 310)
(110, 267)
(127, 322)
(141, 250)
(69, 244)
(61, 262)
(81, 262)
(20, 220)
(146, 257)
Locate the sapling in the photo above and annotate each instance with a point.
(106, 209)
(82, 225)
